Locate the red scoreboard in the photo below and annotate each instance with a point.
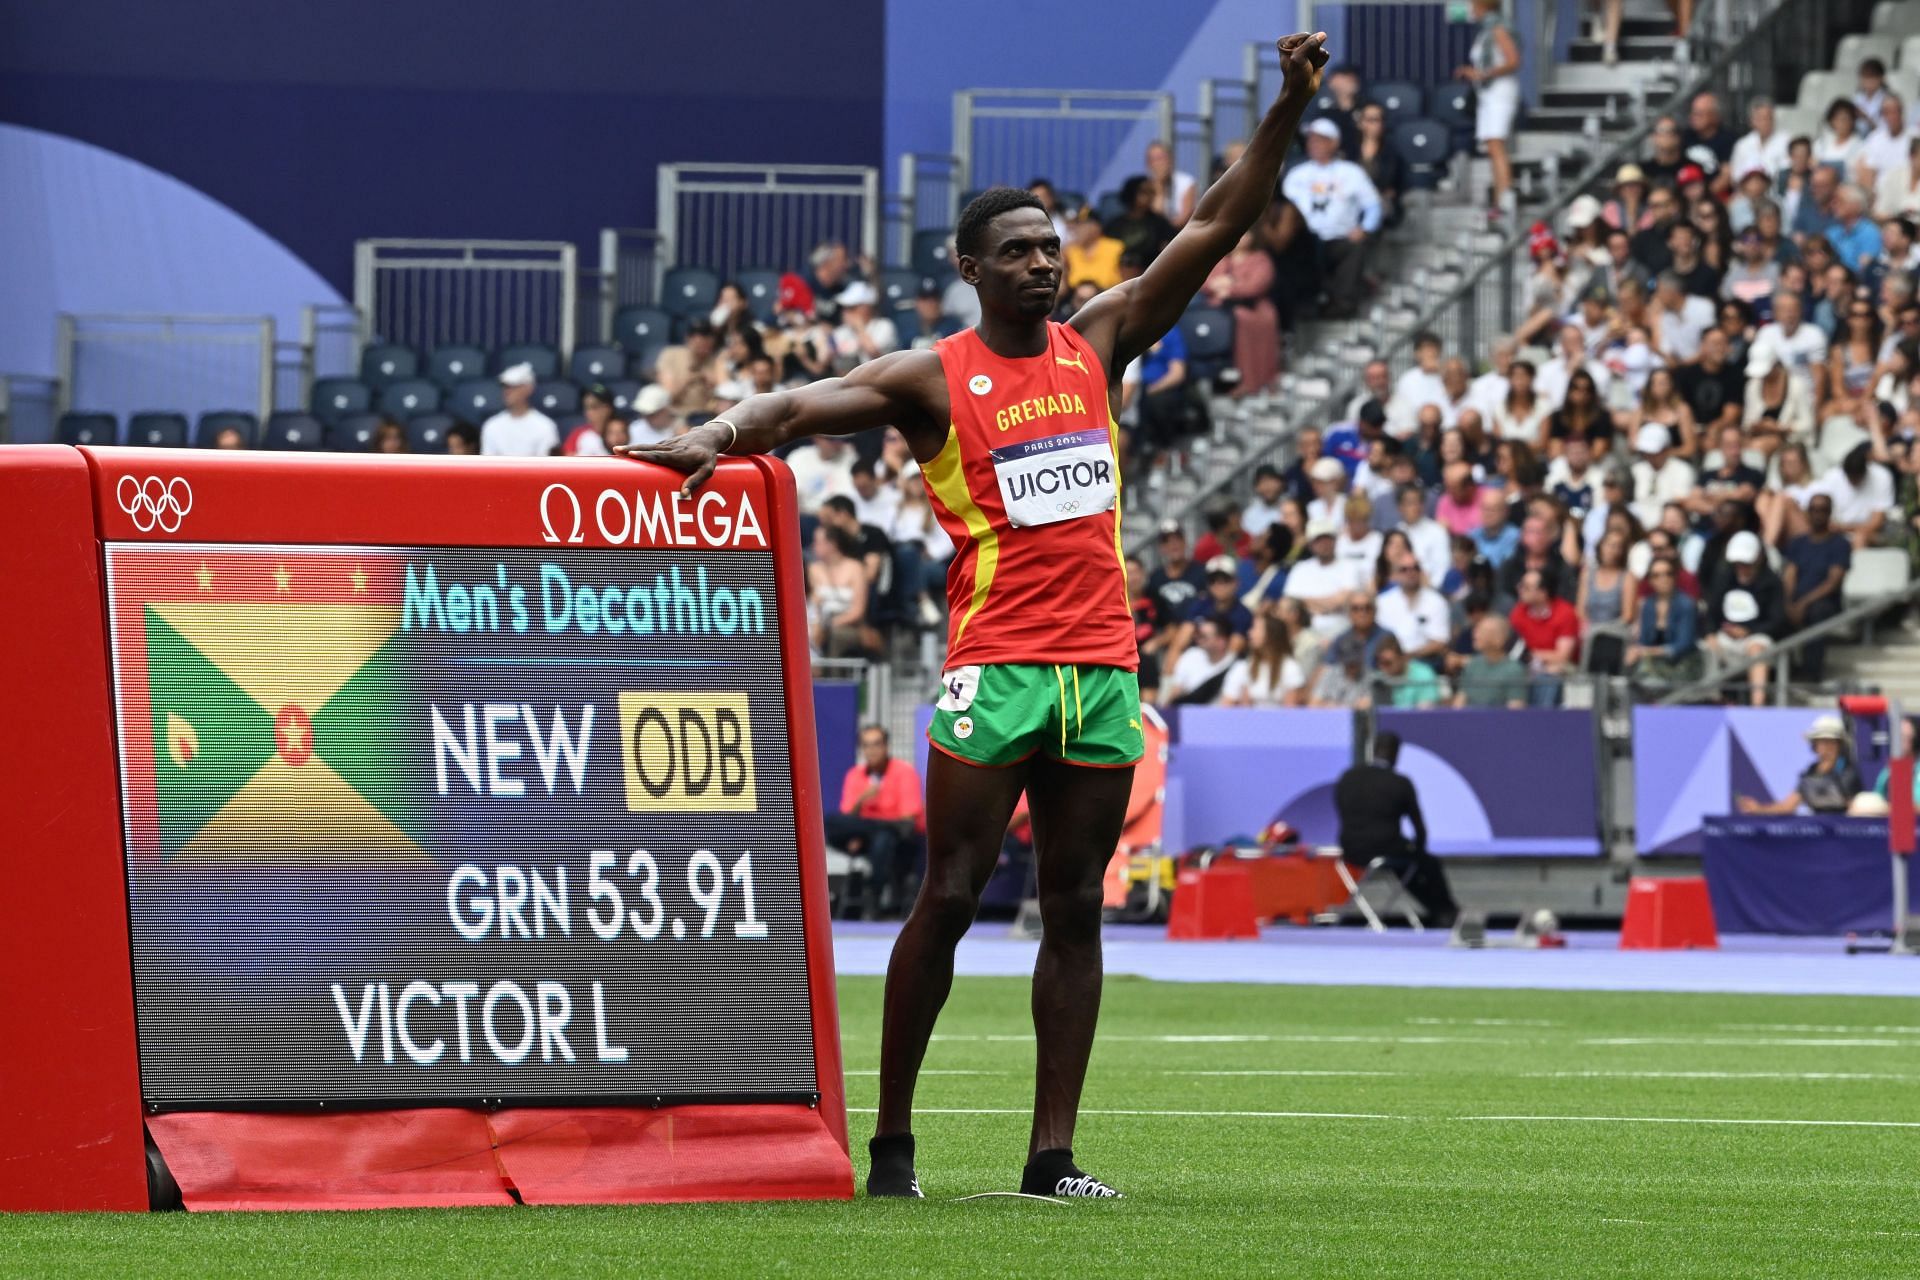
(410, 831)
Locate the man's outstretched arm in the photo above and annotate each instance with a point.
(890, 391)
(1138, 313)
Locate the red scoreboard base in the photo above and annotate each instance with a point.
(444, 1157)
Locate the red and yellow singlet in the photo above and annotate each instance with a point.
(1028, 487)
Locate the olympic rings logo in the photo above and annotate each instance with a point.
(1069, 507)
(154, 503)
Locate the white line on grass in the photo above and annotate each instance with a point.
(1714, 1075)
(1180, 1115)
(1264, 1039)
(1285, 1073)
(1803, 1026)
(1810, 1124)
(1483, 1022)
(875, 1072)
(1751, 1042)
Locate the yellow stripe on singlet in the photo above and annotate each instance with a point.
(1119, 550)
(947, 481)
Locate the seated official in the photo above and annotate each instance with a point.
(1829, 783)
(1370, 800)
(879, 814)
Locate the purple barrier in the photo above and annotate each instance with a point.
(836, 724)
(1500, 783)
(1233, 770)
(1690, 762)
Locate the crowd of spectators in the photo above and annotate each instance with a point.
(1711, 407)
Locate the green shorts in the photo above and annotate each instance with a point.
(1002, 713)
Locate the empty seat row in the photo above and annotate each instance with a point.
(288, 429)
(476, 399)
(384, 364)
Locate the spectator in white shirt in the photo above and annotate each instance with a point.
(1418, 616)
(1321, 582)
(1765, 147)
(1174, 190)
(1680, 318)
(1489, 390)
(1199, 677)
(654, 421)
(519, 430)
(861, 335)
(1432, 543)
(1341, 207)
(1551, 384)
(1886, 147)
(1457, 392)
(1358, 546)
(1260, 514)
(1376, 383)
(873, 503)
(1418, 386)
(1329, 481)
(822, 467)
(1660, 475)
(1862, 492)
(1802, 347)
(1871, 88)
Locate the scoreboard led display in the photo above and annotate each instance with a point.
(468, 834)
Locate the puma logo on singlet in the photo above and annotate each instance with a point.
(1078, 362)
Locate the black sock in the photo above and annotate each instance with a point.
(1053, 1173)
(890, 1166)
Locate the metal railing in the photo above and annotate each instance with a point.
(1408, 41)
(482, 293)
(191, 364)
(1732, 673)
(29, 405)
(928, 199)
(730, 217)
(1074, 138)
(1747, 53)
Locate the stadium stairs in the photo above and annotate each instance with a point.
(1586, 107)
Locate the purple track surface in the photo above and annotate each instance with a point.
(1752, 964)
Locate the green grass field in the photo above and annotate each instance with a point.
(1303, 1131)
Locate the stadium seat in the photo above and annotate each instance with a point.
(428, 432)
(1851, 50)
(410, 398)
(334, 398)
(930, 255)
(293, 431)
(640, 366)
(1896, 17)
(353, 433)
(624, 390)
(689, 291)
(87, 428)
(1876, 572)
(1818, 89)
(1108, 207)
(1209, 335)
(451, 366)
(898, 288)
(544, 359)
(386, 363)
(1452, 105)
(561, 399)
(476, 399)
(208, 429)
(1401, 101)
(157, 430)
(1323, 104)
(635, 327)
(597, 364)
(1425, 146)
(762, 287)
(1070, 201)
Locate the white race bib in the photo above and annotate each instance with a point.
(1056, 478)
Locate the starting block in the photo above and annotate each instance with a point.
(1668, 914)
(1213, 903)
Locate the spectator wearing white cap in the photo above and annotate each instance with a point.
(1328, 477)
(1177, 581)
(1746, 609)
(861, 335)
(1660, 474)
(1779, 406)
(1220, 604)
(519, 430)
(1827, 786)
(822, 468)
(654, 421)
(1341, 208)
(1321, 581)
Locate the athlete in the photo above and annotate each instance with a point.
(1013, 425)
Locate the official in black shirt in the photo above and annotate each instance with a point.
(1370, 800)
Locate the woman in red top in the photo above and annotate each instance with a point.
(1012, 423)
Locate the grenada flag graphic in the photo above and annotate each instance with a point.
(260, 697)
